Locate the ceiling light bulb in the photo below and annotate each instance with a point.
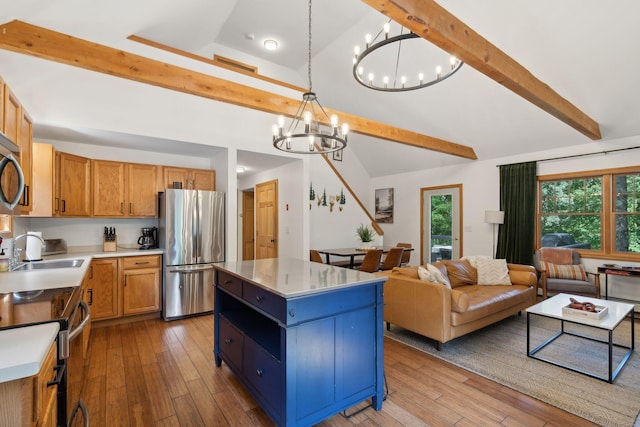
(360, 71)
(403, 80)
(307, 117)
(275, 129)
(421, 77)
(438, 71)
(356, 50)
(453, 61)
(311, 144)
(386, 28)
(270, 44)
(370, 78)
(385, 80)
(345, 129)
(281, 121)
(334, 120)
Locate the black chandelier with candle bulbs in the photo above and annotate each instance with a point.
(305, 134)
(398, 78)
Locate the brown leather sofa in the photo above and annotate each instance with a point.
(442, 314)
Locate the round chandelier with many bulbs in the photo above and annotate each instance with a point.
(376, 68)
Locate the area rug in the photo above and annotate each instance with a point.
(498, 352)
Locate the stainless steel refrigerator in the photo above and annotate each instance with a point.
(191, 232)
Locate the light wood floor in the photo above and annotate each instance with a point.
(156, 373)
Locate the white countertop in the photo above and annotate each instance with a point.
(24, 350)
(290, 277)
(17, 281)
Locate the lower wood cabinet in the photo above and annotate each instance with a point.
(31, 401)
(124, 286)
(141, 284)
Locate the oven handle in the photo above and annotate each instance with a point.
(85, 414)
(74, 333)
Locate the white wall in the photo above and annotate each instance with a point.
(293, 238)
(480, 192)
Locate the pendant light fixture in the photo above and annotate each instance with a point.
(305, 134)
(417, 63)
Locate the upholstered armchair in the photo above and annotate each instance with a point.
(559, 270)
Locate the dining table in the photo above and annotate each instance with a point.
(352, 254)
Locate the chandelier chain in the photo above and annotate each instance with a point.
(309, 63)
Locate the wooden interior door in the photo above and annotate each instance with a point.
(248, 229)
(267, 220)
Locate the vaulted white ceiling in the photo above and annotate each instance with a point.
(586, 50)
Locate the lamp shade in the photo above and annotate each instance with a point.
(494, 217)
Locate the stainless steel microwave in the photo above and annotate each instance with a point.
(11, 176)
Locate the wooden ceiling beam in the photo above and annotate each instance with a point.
(436, 25)
(24, 38)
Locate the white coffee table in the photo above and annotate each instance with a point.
(552, 308)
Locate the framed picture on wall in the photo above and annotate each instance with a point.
(337, 155)
(384, 205)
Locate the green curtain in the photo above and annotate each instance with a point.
(518, 201)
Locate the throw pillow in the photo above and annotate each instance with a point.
(426, 275)
(493, 272)
(473, 260)
(565, 271)
(440, 278)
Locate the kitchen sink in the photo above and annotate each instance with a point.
(47, 265)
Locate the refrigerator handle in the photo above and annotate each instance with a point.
(191, 269)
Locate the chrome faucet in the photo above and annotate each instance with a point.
(16, 251)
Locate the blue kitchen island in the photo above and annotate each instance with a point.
(304, 338)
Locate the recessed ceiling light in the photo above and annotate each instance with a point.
(240, 169)
(270, 44)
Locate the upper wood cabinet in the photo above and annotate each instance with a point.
(1, 104)
(192, 179)
(142, 194)
(73, 185)
(43, 163)
(108, 188)
(123, 189)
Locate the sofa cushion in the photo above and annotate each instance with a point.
(487, 300)
(493, 272)
(425, 274)
(438, 275)
(562, 271)
(461, 273)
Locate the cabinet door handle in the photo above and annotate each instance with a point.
(259, 372)
(130, 208)
(90, 292)
(142, 262)
(260, 298)
(64, 205)
(121, 207)
(57, 204)
(227, 340)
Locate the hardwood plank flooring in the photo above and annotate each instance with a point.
(156, 373)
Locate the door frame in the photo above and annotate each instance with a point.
(458, 241)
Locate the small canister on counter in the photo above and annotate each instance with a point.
(4, 261)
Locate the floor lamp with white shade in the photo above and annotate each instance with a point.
(494, 218)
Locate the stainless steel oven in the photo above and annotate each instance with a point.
(65, 306)
(71, 349)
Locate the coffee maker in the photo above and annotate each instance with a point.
(149, 238)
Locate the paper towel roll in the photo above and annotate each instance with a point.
(33, 251)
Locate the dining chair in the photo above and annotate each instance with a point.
(560, 270)
(315, 256)
(406, 255)
(371, 261)
(392, 259)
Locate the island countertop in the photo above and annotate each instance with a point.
(289, 277)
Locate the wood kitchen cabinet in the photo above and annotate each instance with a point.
(73, 185)
(124, 286)
(102, 288)
(123, 189)
(141, 284)
(192, 179)
(31, 401)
